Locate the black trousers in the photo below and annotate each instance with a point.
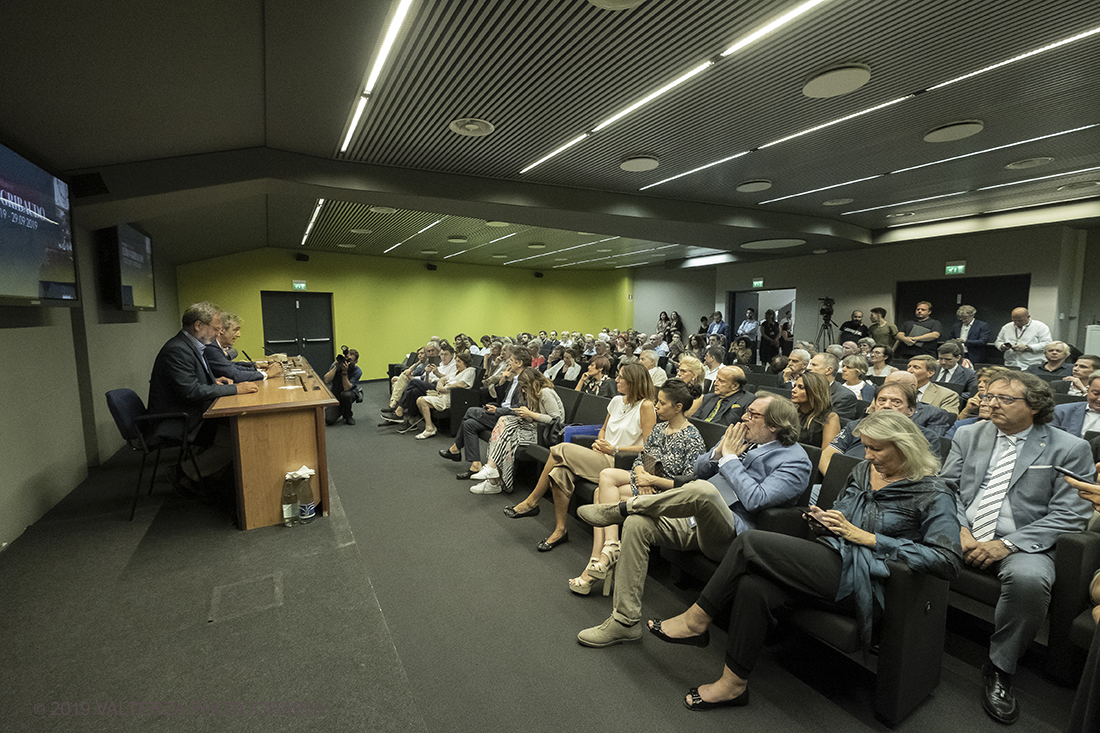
(763, 574)
(475, 419)
(416, 388)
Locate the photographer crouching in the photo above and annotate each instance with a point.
(343, 379)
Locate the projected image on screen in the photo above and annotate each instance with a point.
(135, 265)
(36, 248)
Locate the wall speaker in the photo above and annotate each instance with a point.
(301, 257)
(538, 274)
(431, 266)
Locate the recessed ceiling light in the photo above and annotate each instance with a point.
(603, 250)
(499, 257)
(954, 131)
(834, 82)
(361, 231)
(773, 243)
(837, 202)
(1079, 185)
(1028, 163)
(471, 127)
(456, 239)
(496, 224)
(429, 251)
(901, 215)
(636, 164)
(616, 4)
(383, 210)
(561, 259)
(346, 246)
(587, 234)
(820, 251)
(536, 245)
(753, 186)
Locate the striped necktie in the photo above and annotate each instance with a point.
(989, 508)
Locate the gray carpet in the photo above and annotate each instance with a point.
(416, 606)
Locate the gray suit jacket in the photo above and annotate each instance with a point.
(1043, 505)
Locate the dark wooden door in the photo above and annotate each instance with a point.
(299, 324)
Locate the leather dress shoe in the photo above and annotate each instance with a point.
(446, 453)
(997, 698)
(465, 475)
(546, 546)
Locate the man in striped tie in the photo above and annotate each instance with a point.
(1012, 507)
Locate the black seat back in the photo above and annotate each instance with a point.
(592, 410)
(570, 398)
(840, 467)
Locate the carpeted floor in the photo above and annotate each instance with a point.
(415, 606)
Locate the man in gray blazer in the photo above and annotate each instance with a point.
(1078, 418)
(1012, 507)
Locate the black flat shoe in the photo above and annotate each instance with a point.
(545, 546)
(701, 640)
(698, 703)
(465, 475)
(511, 513)
(446, 453)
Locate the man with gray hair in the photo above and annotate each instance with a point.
(797, 362)
(648, 359)
(1055, 353)
(970, 334)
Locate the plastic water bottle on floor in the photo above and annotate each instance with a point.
(290, 501)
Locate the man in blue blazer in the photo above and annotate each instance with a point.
(1078, 418)
(757, 464)
(970, 334)
(1012, 507)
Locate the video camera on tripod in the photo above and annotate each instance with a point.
(826, 311)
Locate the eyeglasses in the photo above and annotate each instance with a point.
(753, 414)
(1005, 400)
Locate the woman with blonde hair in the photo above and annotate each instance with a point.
(517, 427)
(810, 394)
(630, 418)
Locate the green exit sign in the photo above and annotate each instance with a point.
(955, 270)
(299, 284)
(758, 282)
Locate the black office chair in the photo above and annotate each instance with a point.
(129, 413)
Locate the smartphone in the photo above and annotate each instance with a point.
(817, 526)
(1066, 472)
(435, 360)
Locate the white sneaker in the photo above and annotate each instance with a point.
(487, 471)
(485, 488)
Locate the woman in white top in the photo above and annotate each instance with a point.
(630, 418)
(878, 358)
(852, 371)
(515, 428)
(440, 397)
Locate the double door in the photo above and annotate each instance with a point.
(299, 324)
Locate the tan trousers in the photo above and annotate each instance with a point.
(577, 460)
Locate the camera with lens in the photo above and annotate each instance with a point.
(826, 307)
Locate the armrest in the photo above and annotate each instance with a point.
(785, 520)
(1076, 559)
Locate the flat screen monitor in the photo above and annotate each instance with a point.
(135, 269)
(36, 237)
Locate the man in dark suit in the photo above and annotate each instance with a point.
(728, 401)
(1078, 418)
(952, 372)
(970, 334)
(757, 464)
(220, 353)
(183, 382)
(925, 416)
(845, 403)
(1012, 507)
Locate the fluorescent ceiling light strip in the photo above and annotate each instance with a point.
(696, 170)
(417, 234)
(562, 149)
(932, 221)
(559, 251)
(903, 203)
(313, 219)
(837, 121)
(649, 98)
(780, 21)
(354, 124)
(1032, 206)
(824, 188)
(471, 249)
(1040, 178)
(1021, 57)
(387, 44)
(636, 264)
(990, 150)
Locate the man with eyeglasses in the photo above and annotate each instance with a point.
(757, 464)
(1078, 418)
(1013, 506)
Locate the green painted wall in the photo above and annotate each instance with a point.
(386, 307)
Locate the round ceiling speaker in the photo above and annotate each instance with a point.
(754, 186)
(834, 82)
(639, 163)
(954, 131)
(616, 4)
(471, 127)
(773, 243)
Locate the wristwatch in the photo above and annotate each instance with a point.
(1012, 549)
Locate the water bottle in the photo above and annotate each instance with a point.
(306, 509)
(290, 502)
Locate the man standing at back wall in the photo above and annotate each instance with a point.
(919, 336)
(1023, 340)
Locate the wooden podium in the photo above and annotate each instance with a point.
(275, 431)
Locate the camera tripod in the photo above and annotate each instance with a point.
(825, 334)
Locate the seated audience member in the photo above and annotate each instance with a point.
(674, 444)
(843, 401)
(630, 418)
(508, 395)
(405, 413)
(808, 346)
(975, 410)
(1013, 507)
(765, 573)
(589, 346)
(879, 358)
(952, 372)
(218, 352)
(648, 359)
(849, 348)
(742, 351)
(922, 368)
(1085, 714)
(693, 373)
(810, 396)
(484, 348)
(343, 379)
(883, 332)
(554, 358)
(419, 377)
(1078, 418)
(697, 346)
(777, 364)
(595, 380)
(1085, 365)
(713, 361)
(837, 352)
(515, 428)
(398, 383)
(1056, 353)
(182, 382)
(440, 397)
(935, 418)
(676, 349)
(568, 369)
(535, 347)
(901, 398)
(865, 346)
(852, 370)
(659, 344)
(757, 464)
(726, 403)
(970, 334)
(797, 361)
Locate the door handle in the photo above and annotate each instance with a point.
(283, 341)
(310, 341)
